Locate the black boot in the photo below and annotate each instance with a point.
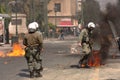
(31, 74)
(87, 66)
(38, 74)
(80, 65)
(41, 68)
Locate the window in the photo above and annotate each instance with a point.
(57, 7)
(19, 22)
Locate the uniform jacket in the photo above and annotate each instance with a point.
(84, 36)
(32, 39)
(84, 39)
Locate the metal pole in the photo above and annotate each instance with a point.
(82, 18)
(46, 17)
(113, 29)
(115, 35)
(31, 10)
(6, 6)
(77, 9)
(55, 10)
(55, 18)
(34, 10)
(55, 23)
(16, 17)
(6, 27)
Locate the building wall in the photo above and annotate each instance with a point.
(21, 26)
(68, 10)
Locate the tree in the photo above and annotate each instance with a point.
(2, 9)
(39, 19)
(91, 11)
(34, 10)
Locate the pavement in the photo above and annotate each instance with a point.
(110, 71)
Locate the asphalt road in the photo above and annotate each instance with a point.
(57, 59)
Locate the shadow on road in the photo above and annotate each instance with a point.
(24, 73)
(24, 70)
(74, 66)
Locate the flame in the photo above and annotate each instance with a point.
(17, 50)
(2, 54)
(95, 59)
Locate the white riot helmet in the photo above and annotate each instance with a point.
(91, 24)
(31, 27)
(36, 24)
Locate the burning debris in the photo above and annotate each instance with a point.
(16, 51)
(95, 59)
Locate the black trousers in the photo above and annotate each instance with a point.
(84, 59)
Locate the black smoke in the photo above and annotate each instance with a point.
(103, 33)
(112, 14)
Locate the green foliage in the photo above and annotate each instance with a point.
(40, 21)
(51, 26)
(2, 9)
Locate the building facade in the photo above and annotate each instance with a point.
(63, 12)
(20, 27)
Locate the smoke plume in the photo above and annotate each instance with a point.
(111, 13)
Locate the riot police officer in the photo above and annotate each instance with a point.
(40, 34)
(34, 45)
(85, 42)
